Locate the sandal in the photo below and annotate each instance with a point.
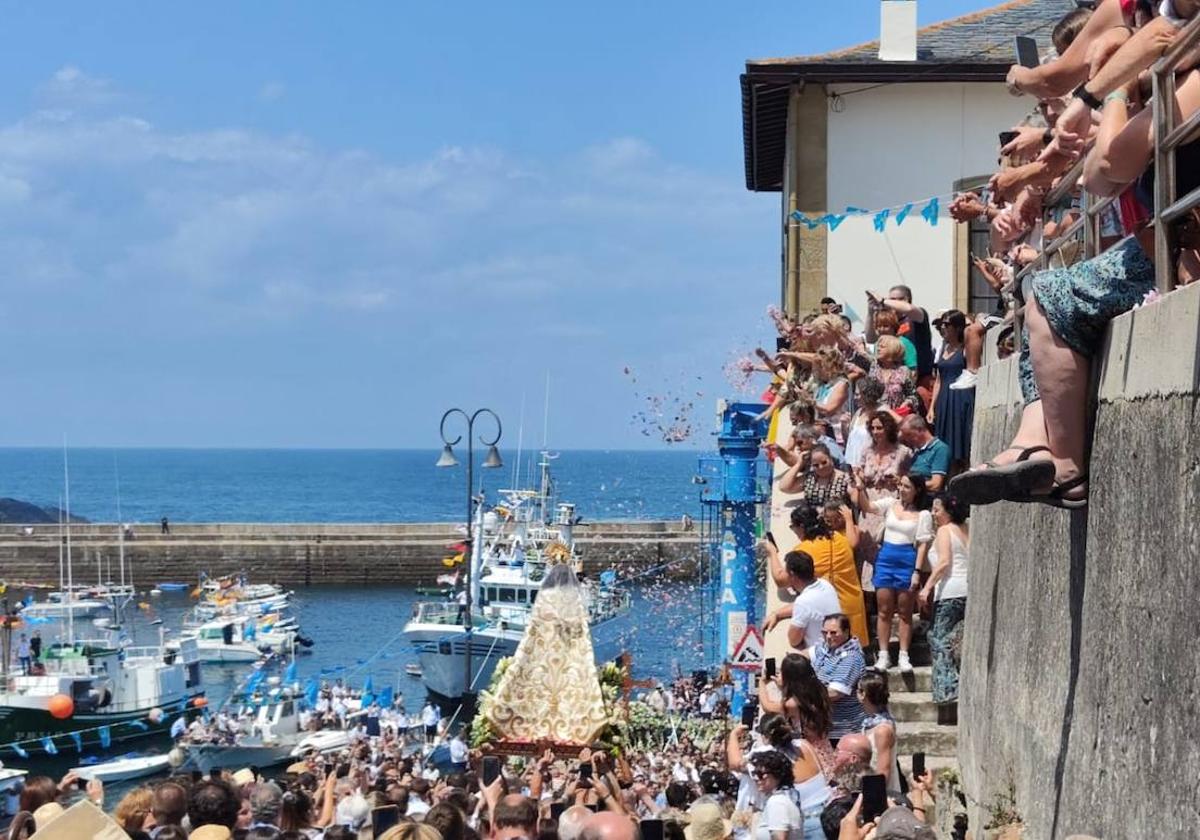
(1057, 495)
(1012, 481)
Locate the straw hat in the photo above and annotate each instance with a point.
(243, 777)
(46, 814)
(706, 821)
(211, 832)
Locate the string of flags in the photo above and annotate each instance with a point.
(930, 210)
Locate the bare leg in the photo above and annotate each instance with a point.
(905, 599)
(973, 345)
(885, 599)
(1062, 378)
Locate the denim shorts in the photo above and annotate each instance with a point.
(894, 566)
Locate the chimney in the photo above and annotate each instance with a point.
(898, 30)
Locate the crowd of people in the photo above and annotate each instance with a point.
(870, 429)
(1094, 99)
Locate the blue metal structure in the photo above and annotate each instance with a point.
(730, 497)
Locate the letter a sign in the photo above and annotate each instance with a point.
(749, 651)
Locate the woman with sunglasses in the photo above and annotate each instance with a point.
(790, 811)
(882, 462)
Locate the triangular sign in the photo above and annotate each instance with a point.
(749, 650)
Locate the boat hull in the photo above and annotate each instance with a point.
(204, 757)
(21, 724)
(442, 652)
(125, 769)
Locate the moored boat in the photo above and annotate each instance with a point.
(125, 768)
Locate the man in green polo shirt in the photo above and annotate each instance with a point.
(931, 457)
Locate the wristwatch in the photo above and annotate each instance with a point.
(1089, 99)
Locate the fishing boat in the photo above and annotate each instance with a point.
(98, 692)
(324, 741)
(125, 768)
(172, 587)
(512, 545)
(238, 639)
(271, 733)
(61, 605)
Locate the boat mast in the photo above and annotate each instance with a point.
(70, 594)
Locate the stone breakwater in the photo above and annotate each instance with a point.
(308, 554)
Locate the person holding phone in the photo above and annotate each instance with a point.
(782, 817)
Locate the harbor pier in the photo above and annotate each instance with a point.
(409, 554)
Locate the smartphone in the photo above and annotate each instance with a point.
(1007, 137)
(383, 818)
(81, 783)
(556, 810)
(197, 776)
(749, 713)
(770, 672)
(1027, 51)
(874, 793)
(343, 771)
(652, 829)
(771, 539)
(585, 772)
(491, 769)
(918, 765)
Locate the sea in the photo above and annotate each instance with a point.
(357, 630)
(336, 485)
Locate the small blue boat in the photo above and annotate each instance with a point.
(173, 587)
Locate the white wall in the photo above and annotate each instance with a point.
(900, 143)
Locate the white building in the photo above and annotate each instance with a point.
(847, 129)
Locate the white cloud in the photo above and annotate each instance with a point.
(71, 88)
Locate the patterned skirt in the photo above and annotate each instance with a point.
(945, 644)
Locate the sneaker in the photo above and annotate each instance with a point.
(881, 662)
(903, 663)
(966, 381)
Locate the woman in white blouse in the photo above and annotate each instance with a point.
(947, 586)
(907, 533)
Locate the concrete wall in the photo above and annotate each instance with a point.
(901, 143)
(309, 554)
(1080, 683)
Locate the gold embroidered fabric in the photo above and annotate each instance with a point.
(551, 690)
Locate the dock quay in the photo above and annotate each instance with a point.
(309, 554)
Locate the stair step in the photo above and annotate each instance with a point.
(921, 679)
(913, 706)
(929, 738)
(918, 651)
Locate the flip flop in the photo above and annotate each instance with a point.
(1055, 498)
(1011, 482)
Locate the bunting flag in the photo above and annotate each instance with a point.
(48, 746)
(105, 737)
(78, 739)
(386, 697)
(368, 695)
(139, 724)
(929, 212)
(289, 676)
(19, 750)
(312, 691)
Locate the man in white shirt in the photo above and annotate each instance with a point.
(815, 599)
(429, 719)
(458, 752)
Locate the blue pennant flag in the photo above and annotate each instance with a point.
(253, 683)
(312, 691)
(19, 750)
(105, 737)
(289, 676)
(860, 211)
(28, 600)
(832, 220)
(386, 697)
(881, 219)
(78, 739)
(608, 577)
(368, 695)
(248, 633)
(903, 213)
(930, 213)
(48, 746)
(139, 724)
(360, 662)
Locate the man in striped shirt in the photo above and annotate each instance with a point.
(839, 663)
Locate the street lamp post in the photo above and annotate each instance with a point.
(491, 461)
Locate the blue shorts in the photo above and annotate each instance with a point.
(894, 566)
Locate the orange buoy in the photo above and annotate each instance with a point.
(199, 702)
(60, 707)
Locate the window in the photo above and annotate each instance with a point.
(508, 595)
(979, 296)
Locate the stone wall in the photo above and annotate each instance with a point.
(310, 553)
(1080, 686)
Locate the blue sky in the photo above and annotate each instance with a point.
(311, 224)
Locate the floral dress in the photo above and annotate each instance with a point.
(899, 388)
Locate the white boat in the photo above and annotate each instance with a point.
(513, 545)
(121, 769)
(83, 608)
(325, 741)
(11, 782)
(269, 738)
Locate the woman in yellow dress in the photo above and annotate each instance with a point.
(833, 559)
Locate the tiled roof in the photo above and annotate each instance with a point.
(973, 48)
(983, 37)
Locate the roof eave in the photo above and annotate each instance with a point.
(897, 73)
